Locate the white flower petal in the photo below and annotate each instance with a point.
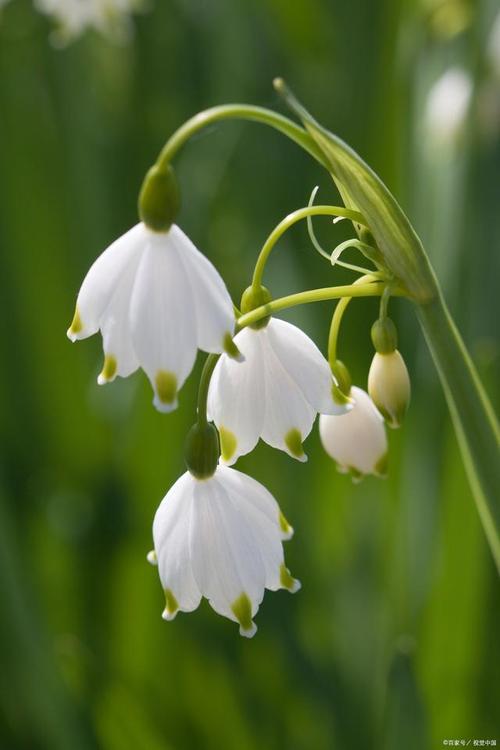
(213, 305)
(258, 496)
(101, 280)
(162, 319)
(305, 364)
(120, 358)
(225, 559)
(171, 534)
(236, 399)
(356, 440)
(289, 417)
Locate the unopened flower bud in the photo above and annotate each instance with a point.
(251, 299)
(356, 440)
(202, 450)
(159, 199)
(384, 336)
(389, 386)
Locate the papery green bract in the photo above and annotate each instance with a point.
(363, 191)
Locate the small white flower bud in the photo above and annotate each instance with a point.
(356, 441)
(389, 386)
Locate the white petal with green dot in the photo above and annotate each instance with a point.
(220, 538)
(163, 319)
(236, 398)
(119, 355)
(305, 364)
(103, 279)
(171, 536)
(357, 441)
(273, 394)
(209, 296)
(289, 417)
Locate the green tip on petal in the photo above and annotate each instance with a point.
(171, 606)
(228, 443)
(242, 610)
(287, 580)
(76, 326)
(293, 441)
(356, 475)
(382, 466)
(231, 349)
(152, 558)
(166, 390)
(285, 526)
(109, 370)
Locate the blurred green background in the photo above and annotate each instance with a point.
(393, 641)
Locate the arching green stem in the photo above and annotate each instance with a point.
(203, 387)
(340, 308)
(301, 298)
(239, 112)
(289, 221)
(316, 295)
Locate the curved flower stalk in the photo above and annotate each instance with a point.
(156, 299)
(356, 441)
(274, 394)
(220, 537)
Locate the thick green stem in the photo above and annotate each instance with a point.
(239, 112)
(289, 221)
(473, 417)
(315, 295)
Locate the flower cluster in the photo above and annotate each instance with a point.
(156, 300)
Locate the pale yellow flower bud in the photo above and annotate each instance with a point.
(389, 386)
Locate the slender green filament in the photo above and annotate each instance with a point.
(289, 221)
(370, 280)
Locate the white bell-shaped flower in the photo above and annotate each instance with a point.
(156, 300)
(220, 538)
(275, 393)
(356, 441)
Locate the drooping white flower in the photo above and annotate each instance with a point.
(156, 299)
(220, 538)
(447, 105)
(389, 386)
(274, 394)
(76, 16)
(356, 441)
